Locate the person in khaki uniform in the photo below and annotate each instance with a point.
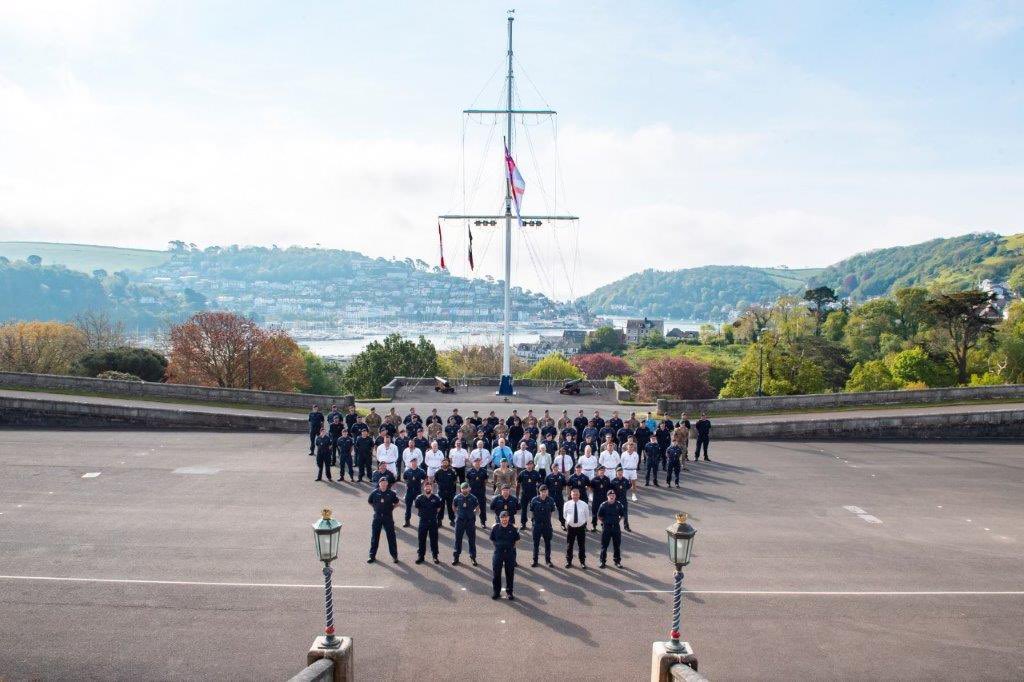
(564, 422)
(681, 439)
(434, 430)
(468, 432)
(373, 420)
(503, 477)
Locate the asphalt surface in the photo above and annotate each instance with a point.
(812, 561)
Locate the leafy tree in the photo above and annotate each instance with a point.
(788, 368)
(554, 367)
(382, 361)
(833, 326)
(605, 339)
(102, 333)
(478, 360)
(146, 364)
(987, 379)
(872, 375)
(654, 339)
(230, 351)
(674, 377)
(324, 376)
(1016, 280)
(820, 299)
(866, 326)
(913, 365)
(601, 365)
(39, 347)
(1009, 355)
(963, 320)
(34, 260)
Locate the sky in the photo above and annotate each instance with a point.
(688, 132)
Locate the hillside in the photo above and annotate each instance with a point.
(714, 292)
(85, 257)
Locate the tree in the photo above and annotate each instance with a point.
(789, 368)
(230, 351)
(964, 318)
(101, 333)
(606, 339)
(143, 363)
(674, 377)
(382, 361)
(478, 360)
(601, 365)
(820, 298)
(913, 365)
(34, 260)
(654, 339)
(866, 326)
(325, 376)
(1016, 280)
(39, 347)
(554, 367)
(872, 375)
(1010, 345)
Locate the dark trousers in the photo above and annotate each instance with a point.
(673, 466)
(525, 508)
(701, 440)
(625, 510)
(545, 533)
(503, 561)
(363, 466)
(559, 504)
(461, 473)
(449, 504)
(578, 536)
(652, 468)
(323, 463)
(613, 535)
(345, 462)
(467, 528)
(410, 497)
(313, 433)
(593, 510)
(388, 524)
(427, 530)
(334, 455)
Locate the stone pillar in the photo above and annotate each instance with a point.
(342, 657)
(662, 660)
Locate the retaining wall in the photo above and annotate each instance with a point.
(147, 389)
(45, 412)
(391, 388)
(831, 400)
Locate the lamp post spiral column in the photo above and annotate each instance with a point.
(327, 533)
(680, 544)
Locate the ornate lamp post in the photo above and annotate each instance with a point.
(327, 532)
(680, 544)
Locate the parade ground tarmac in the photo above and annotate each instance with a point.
(189, 556)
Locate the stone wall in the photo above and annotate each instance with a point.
(146, 389)
(53, 413)
(391, 388)
(832, 400)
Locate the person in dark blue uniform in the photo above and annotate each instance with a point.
(382, 472)
(383, 500)
(621, 485)
(555, 481)
(611, 513)
(580, 481)
(324, 448)
(316, 422)
(652, 455)
(541, 508)
(476, 477)
(465, 504)
(446, 480)
(335, 428)
(413, 477)
(504, 536)
(343, 448)
(363, 446)
(428, 506)
(703, 427)
(505, 502)
(600, 484)
(674, 457)
(529, 481)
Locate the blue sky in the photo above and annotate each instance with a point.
(689, 132)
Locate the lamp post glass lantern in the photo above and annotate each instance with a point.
(327, 533)
(680, 545)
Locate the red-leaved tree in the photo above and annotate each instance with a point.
(230, 351)
(675, 377)
(602, 365)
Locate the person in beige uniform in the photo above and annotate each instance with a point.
(503, 476)
(681, 438)
(373, 420)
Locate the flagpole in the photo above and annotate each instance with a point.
(505, 388)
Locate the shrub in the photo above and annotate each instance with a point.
(554, 367)
(602, 365)
(146, 364)
(674, 377)
(872, 375)
(987, 379)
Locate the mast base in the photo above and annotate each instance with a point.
(505, 388)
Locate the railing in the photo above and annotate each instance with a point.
(683, 673)
(319, 671)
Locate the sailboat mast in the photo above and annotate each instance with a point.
(506, 358)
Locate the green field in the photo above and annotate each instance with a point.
(85, 257)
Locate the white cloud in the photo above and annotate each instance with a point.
(71, 24)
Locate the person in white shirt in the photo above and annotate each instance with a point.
(433, 458)
(629, 461)
(542, 462)
(589, 462)
(577, 516)
(564, 461)
(387, 452)
(459, 456)
(609, 459)
(482, 454)
(411, 453)
(520, 457)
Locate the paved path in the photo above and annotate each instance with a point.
(188, 556)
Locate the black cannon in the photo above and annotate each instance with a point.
(442, 385)
(571, 387)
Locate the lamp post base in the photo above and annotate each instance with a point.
(505, 387)
(662, 660)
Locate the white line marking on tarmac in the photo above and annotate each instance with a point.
(844, 593)
(129, 581)
(199, 471)
(869, 518)
(91, 474)
(854, 510)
